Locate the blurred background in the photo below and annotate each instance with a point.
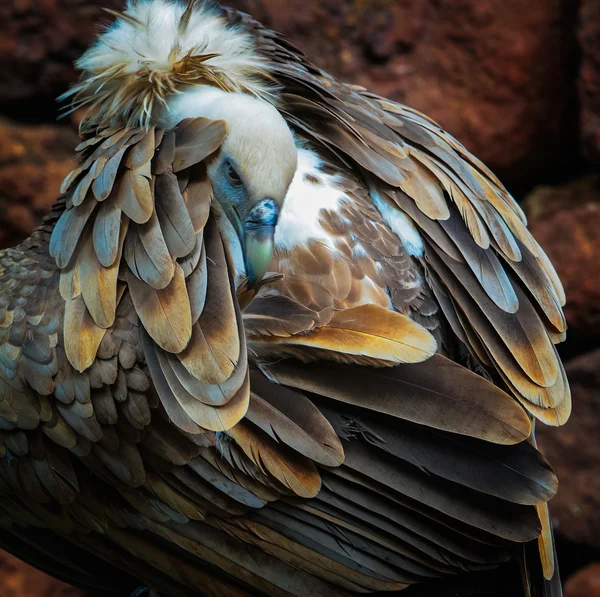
(516, 81)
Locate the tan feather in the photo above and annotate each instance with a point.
(260, 493)
(500, 231)
(142, 265)
(551, 273)
(99, 283)
(70, 285)
(470, 216)
(427, 193)
(216, 394)
(198, 197)
(546, 542)
(291, 418)
(431, 228)
(215, 346)
(82, 336)
(71, 177)
(367, 331)
(559, 394)
(174, 411)
(175, 223)
(67, 232)
(213, 418)
(485, 265)
(81, 190)
(104, 182)
(190, 262)
(165, 314)
(107, 227)
(196, 139)
(142, 152)
(197, 283)
(174, 499)
(523, 333)
(292, 470)
(165, 152)
(537, 282)
(473, 220)
(318, 565)
(134, 196)
(420, 393)
(154, 246)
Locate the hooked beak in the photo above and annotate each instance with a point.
(259, 231)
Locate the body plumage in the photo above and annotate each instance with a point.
(279, 336)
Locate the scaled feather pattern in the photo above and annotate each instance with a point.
(360, 420)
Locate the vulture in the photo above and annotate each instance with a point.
(278, 336)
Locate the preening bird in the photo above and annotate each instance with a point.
(279, 336)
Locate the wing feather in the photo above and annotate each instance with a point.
(302, 444)
(417, 392)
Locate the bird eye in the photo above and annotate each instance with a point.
(232, 174)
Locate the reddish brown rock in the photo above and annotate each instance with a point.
(21, 580)
(585, 582)
(33, 162)
(574, 451)
(565, 220)
(40, 41)
(589, 78)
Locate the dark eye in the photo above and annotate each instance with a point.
(232, 174)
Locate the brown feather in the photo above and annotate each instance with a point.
(523, 334)
(426, 192)
(294, 471)
(134, 196)
(196, 139)
(173, 216)
(214, 349)
(154, 246)
(165, 314)
(289, 417)
(419, 393)
(485, 266)
(141, 265)
(82, 336)
(142, 152)
(198, 197)
(367, 331)
(68, 230)
(107, 227)
(174, 411)
(213, 418)
(165, 152)
(99, 284)
(104, 182)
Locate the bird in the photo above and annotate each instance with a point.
(278, 336)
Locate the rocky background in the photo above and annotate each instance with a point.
(517, 81)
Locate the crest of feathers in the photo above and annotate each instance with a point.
(156, 49)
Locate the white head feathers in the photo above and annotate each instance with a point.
(155, 49)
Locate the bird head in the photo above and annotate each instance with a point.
(253, 169)
(162, 62)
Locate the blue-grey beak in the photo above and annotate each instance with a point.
(259, 230)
